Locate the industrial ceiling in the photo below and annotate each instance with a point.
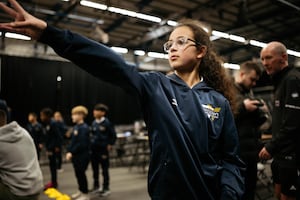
(260, 20)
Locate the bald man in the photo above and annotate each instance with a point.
(286, 125)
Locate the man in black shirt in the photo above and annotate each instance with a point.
(285, 125)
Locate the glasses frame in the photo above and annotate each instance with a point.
(186, 39)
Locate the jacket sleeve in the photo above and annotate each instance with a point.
(93, 57)
(232, 183)
(290, 126)
(112, 134)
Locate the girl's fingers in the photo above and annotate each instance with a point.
(7, 27)
(11, 12)
(19, 24)
(17, 6)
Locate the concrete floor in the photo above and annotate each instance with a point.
(125, 184)
(129, 184)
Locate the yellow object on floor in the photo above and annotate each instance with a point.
(55, 194)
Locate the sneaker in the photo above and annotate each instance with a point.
(76, 195)
(61, 170)
(105, 192)
(83, 197)
(95, 190)
(50, 185)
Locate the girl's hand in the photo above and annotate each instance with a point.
(24, 23)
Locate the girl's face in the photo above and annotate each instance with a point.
(184, 53)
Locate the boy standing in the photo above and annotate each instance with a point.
(35, 129)
(53, 142)
(103, 137)
(58, 118)
(78, 151)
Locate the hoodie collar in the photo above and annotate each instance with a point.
(174, 78)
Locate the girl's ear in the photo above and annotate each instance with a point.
(202, 51)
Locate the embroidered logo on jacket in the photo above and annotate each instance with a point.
(212, 113)
(174, 102)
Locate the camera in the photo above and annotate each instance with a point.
(262, 114)
(260, 104)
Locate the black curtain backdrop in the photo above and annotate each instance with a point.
(30, 84)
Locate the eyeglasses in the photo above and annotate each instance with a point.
(180, 43)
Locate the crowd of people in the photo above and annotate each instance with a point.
(203, 127)
(82, 144)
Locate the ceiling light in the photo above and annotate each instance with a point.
(122, 11)
(58, 78)
(172, 23)
(220, 34)
(139, 52)
(157, 55)
(231, 66)
(237, 38)
(120, 49)
(148, 17)
(257, 43)
(93, 5)
(294, 53)
(17, 36)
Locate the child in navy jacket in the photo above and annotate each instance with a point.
(192, 134)
(53, 141)
(78, 150)
(102, 138)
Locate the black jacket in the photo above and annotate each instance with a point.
(286, 113)
(247, 124)
(53, 138)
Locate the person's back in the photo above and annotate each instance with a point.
(20, 173)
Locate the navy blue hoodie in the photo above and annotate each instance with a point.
(103, 134)
(192, 135)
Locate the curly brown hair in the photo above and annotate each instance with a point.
(211, 67)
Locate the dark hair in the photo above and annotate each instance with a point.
(3, 112)
(211, 67)
(102, 107)
(251, 65)
(47, 111)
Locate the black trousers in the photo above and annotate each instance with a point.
(53, 166)
(250, 178)
(80, 164)
(101, 158)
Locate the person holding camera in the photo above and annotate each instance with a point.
(248, 118)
